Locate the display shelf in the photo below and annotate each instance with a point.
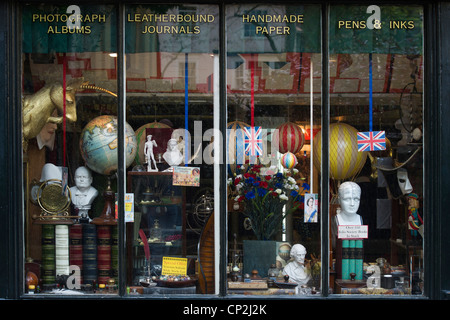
(160, 212)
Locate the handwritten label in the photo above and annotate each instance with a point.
(174, 266)
(353, 232)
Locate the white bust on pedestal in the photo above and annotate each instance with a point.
(83, 194)
(296, 269)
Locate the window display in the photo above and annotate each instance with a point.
(172, 78)
(314, 187)
(273, 96)
(376, 87)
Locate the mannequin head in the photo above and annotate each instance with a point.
(349, 197)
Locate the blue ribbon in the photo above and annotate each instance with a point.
(370, 93)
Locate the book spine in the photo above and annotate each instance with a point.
(104, 253)
(89, 254)
(62, 250)
(115, 253)
(76, 247)
(351, 257)
(359, 252)
(48, 254)
(345, 260)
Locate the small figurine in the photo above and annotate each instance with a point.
(148, 151)
(413, 214)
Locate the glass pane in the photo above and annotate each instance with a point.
(69, 142)
(376, 149)
(172, 105)
(273, 110)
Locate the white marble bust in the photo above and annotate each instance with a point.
(173, 156)
(296, 269)
(349, 200)
(83, 194)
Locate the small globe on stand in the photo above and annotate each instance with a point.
(99, 149)
(99, 144)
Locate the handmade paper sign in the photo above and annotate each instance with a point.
(353, 232)
(172, 266)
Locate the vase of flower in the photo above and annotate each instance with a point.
(267, 196)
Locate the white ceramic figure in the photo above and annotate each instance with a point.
(173, 156)
(83, 194)
(296, 269)
(349, 199)
(148, 151)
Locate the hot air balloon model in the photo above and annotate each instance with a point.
(290, 138)
(345, 159)
(288, 160)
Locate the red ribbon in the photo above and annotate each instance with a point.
(252, 91)
(64, 108)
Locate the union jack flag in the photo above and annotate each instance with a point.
(371, 141)
(253, 141)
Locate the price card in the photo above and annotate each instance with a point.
(172, 266)
(353, 232)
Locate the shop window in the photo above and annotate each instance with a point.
(70, 143)
(376, 143)
(171, 88)
(273, 143)
(273, 116)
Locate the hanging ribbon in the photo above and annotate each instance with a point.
(252, 91)
(64, 108)
(186, 109)
(370, 94)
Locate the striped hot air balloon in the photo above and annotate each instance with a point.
(288, 160)
(345, 159)
(235, 145)
(141, 137)
(290, 138)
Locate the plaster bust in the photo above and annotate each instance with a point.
(296, 269)
(173, 156)
(83, 194)
(349, 199)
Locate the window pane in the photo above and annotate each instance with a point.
(376, 93)
(274, 110)
(70, 157)
(172, 104)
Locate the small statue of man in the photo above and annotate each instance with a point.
(148, 151)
